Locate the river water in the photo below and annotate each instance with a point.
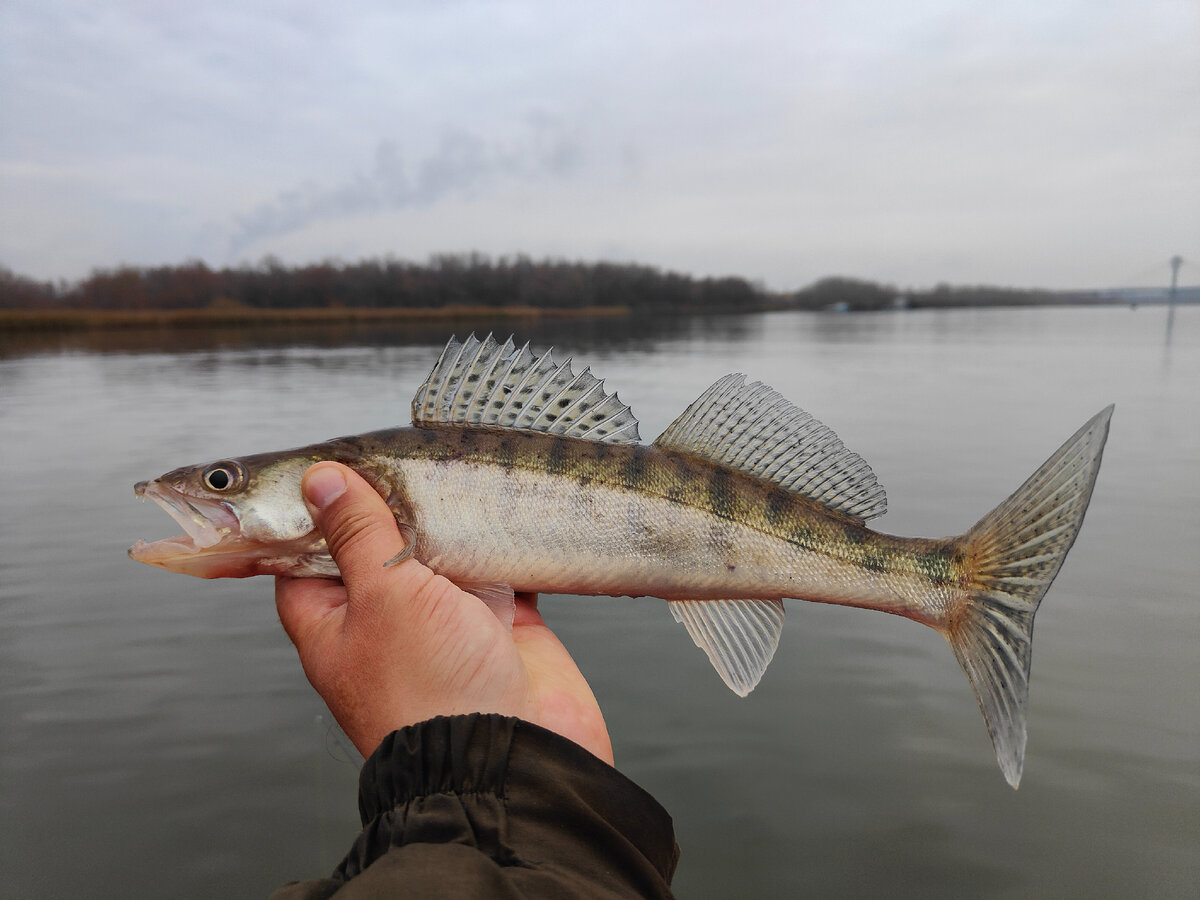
(158, 738)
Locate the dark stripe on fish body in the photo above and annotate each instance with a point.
(874, 560)
(506, 454)
(683, 469)
(557, 461)
(777, 506)
(938, 566)
(803, 536)
(634, 470)
(679, 477)
(721, 501)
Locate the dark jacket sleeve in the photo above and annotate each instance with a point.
(493, 807)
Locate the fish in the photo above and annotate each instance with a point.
(517, 474)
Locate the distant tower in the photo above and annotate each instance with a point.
(1176, 262)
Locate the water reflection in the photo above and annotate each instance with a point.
(593, 332)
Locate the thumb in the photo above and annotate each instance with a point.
(357, 524)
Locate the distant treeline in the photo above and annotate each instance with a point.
(444, 281)
(853, 294)
(448, 281)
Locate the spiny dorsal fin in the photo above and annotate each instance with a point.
(753, 429)
(738, 636)
(489, 384)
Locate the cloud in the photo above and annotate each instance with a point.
(462, 163)
(1045, 143)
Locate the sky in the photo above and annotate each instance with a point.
(1034, 143)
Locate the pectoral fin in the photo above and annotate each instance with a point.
(498, 597)
(739, 636)
(410, 543)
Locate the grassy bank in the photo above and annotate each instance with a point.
(226, 317)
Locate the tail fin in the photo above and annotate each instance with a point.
(1013, 554)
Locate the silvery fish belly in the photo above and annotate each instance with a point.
(520, 475)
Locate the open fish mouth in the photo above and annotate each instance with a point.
(206, 525)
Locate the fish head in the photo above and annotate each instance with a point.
(240, 517)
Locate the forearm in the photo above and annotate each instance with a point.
(488, 806)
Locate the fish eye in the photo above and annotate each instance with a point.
(222, 476)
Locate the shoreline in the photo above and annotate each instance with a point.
(13, 321)
(88, 319)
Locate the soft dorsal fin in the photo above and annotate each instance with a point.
(484, 383)
(753, 429)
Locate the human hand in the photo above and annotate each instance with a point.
(389, 647)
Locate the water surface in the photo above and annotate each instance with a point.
(158, 737)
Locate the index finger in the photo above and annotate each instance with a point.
(303, 602)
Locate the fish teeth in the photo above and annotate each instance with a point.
(206, 523)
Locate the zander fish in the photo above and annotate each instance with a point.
(519, 475)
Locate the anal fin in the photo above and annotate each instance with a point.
(738, 636)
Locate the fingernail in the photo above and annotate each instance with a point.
(324, 485)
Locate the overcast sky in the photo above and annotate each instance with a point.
(1027, 143)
